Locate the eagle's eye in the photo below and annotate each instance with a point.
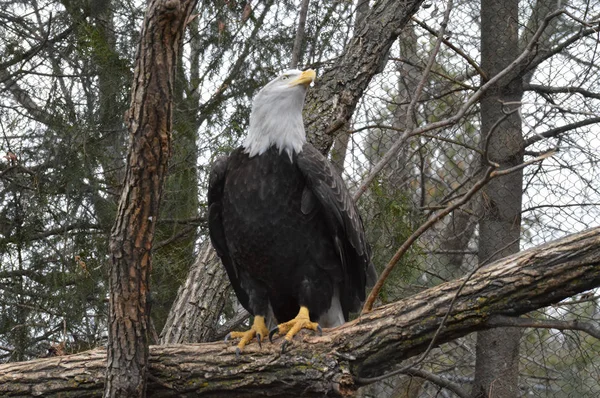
(285, 77)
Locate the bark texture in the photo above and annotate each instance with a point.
(149, 121)
(331, 104)
(497, 350)
(194, 315)
(368, 346)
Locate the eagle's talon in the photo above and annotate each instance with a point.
(257, 330)
(293, 326)
(272, 332)
(227, 337)
(238, 352)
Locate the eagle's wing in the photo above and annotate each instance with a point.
(328, 188)
(215, 225)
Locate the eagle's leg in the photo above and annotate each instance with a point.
(258, 330)
(292, 327)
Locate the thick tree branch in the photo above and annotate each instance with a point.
(330, 364)
(196, 310)
(337, 92)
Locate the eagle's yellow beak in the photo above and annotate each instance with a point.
(306, 78)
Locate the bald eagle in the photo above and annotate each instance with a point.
(284, 224)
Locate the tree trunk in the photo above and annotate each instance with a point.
(497, 350)
(196, 310)
(174, 253)
(149, 122)
(330, 364)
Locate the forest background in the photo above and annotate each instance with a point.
(420, 131)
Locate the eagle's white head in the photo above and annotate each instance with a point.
(276, 117)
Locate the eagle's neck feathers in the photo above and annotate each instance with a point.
(276, 120)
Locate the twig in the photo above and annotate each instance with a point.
(27, 55)
(430, 136)
(459, 81)
(498, 173)
(219, 95)
(182, 233)
(457, 50)
(559, 48)
(410, 111)
(490, 173)
(368, 306)
(440, 381)
(538, 88)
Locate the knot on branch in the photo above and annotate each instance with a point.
(169, 12)
(170, 7)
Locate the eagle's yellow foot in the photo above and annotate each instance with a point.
(258, 329)
(292, 327)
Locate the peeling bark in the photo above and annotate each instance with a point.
(367, 346)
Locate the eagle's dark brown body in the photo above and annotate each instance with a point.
(288, 234)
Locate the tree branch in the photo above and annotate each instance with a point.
(539, 88)
(488, 175)
(503, 321)
(454, 48)
(330, 105)
(299, 35)
(365, 347)
(559, 130)
(150, 122)
(195, 313)
(440, 381)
